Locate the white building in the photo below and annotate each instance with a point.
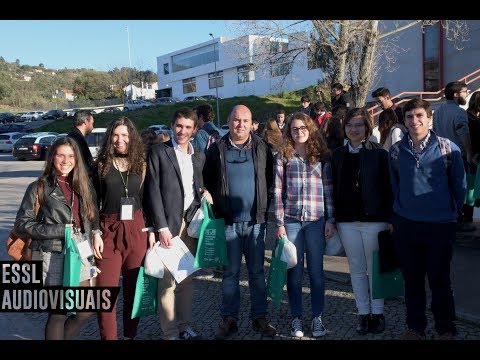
(145, 91)
(191, 71)
(64, 94)
(424, 61)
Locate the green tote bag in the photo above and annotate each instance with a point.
(212, 242)
(145, 300)
(386, 284)
(277, 275)
(72, 262)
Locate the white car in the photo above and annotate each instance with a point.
(8, 139)
(95, 139)
(32, 116)
(136, 104)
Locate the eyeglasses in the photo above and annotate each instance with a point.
(303, 129)
(356, 126)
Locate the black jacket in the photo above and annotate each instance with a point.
(344, 99)
(216, 182)
(47, 229)
(164, 193)
(82, 144)
(374, 174)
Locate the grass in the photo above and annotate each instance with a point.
(263, 108)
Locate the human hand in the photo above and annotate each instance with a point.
(151, 240)
(206, 195)
(166, 238)
(329, 230)
(97, 246)
(281, 231)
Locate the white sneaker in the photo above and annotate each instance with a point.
(317, 327)
(297, 328)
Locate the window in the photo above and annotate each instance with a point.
(245, 74)
(189, 85)
(278, 45)
(432, 53)
(196, 57)
(215, 79)
(166, 69)
(280, 69)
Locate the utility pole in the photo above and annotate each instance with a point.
(130, 63)
(216, 79)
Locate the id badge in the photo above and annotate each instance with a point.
(83, 245)
(126, 211)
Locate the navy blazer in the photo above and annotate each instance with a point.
(164, 193)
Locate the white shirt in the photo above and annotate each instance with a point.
(186, 170)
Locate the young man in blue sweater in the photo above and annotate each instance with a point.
(428, 182)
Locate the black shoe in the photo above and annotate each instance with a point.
(377, 324)
(227, 328)
(362, 327)
(262, 326)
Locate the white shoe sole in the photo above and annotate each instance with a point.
(297, 334)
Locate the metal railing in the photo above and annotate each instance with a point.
(426, 95)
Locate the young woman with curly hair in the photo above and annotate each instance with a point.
(304, 213)
(119, 184)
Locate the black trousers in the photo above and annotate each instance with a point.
(425, 248)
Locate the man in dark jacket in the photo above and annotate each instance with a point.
(340, 97)
(238, 173)
(82, 126)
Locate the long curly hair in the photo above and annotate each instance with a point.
(136, 160)
(78, 177)
(316, 148)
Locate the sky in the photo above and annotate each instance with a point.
(101, 45)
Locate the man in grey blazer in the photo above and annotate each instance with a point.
(173, 190)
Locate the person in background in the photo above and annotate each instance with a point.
(119, 185)
(149, 138)
(383, 98)
(340, 97)
(66, 197)
(303, 203)
(272, 135)
(163, 136)
(280, 118)
(82, 126)
(390, 128)
(451, 121)
(363, 205)
(429, 186)
(473, 112)
(255, 125)
(205, 127)
(340, 111)
(305, 105)
(320, 113)
(173, 191)
(333, 134)
(238, 173)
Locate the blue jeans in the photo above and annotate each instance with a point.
(247, 239)
(309, 239)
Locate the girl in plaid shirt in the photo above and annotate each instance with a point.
(304, 213)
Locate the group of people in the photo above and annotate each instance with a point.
(415, 189)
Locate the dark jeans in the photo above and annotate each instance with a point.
(467, 210)
(426, 249)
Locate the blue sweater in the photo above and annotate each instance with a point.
(428, 192)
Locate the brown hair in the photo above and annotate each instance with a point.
(363, 113)
(316, 149)
(272, 134)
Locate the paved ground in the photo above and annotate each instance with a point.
(340, 312)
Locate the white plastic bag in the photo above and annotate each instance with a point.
(289, 253)
(153, 264)
(193, 229)
(333, 246)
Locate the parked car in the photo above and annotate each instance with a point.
(7, 117)
(18, 116)
(136, 104)
(166, 100)
(8, 139)
(95, 139)
(161, 128)
(54, 114)
(210, 97)
(194, 98)
(33, 146)
(72, 112)
(32, 116)
(112, 109)
(26, 128)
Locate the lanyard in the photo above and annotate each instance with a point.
(72, 219)
(125, 183)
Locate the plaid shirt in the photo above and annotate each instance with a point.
(302, 191)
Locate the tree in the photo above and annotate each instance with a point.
(347, 51)
(92, 85)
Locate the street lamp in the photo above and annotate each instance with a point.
(216, 81)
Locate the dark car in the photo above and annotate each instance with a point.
(112, 109)
(33, 146)
(54, 114)
(210, 97)
(194, 98)
(166, 100)
(7, 117)
(26, 128)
